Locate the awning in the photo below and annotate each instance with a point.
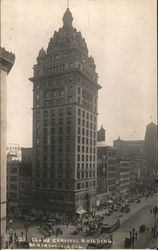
(81, 211)
(98, 203)
(110, 201)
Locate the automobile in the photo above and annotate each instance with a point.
(138, 201)
(127, 242)
(76, 232)
(99, 245)
(122, 209)
(120, 215)
(59, 231)
(142, 228)
(127, 210)
(23, 244)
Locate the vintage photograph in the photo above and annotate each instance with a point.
(78, 110)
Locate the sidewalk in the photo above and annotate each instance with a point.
(153, 243)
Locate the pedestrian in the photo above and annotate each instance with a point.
(7, 244)
(67, 225)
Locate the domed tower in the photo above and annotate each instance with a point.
(65, 97)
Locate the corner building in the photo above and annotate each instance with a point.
(65, 97)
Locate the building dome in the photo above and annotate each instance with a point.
(42, 53)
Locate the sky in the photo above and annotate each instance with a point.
(121, 37)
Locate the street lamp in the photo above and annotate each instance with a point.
(155, 211)
(10, 224)
(133, 236)
(26, 225)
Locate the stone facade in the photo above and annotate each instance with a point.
(65, 97)
(106, 169)
(150, 149)
(6, 62)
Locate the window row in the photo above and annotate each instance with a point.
(86, 149)
(86, 157)
(86, 141)
(82, 175)
(87, 115)
(86, 124)
(57, 174)
(55, 131)
(58, 68)
(54, 185)
(86, 166)
(55, 101)
(84, 185)
(86, 132)
(54, 112)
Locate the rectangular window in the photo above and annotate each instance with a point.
(61, 112)
(70, 90)
(54, 93)
(52, 131)
(61, 92)
(79, 90)
(70, 99)
(79, 121)
(78, 186)
(45, 114)
(68, 130)
(45, 123)
(79, 112)
(69, 111)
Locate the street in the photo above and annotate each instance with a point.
(140, 214)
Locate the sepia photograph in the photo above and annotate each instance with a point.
(78, 123)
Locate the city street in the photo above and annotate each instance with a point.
(140, 214)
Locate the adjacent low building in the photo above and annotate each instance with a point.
(150, 149)
(124, 177)
(19, 180)
(106, 170)
(12, 186)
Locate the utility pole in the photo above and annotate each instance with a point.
(155, 211)
(133, 236)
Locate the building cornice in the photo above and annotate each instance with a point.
(7, 60)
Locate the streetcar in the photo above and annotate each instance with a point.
(110, 227)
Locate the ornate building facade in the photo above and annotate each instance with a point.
(65, 97)
(7, 60)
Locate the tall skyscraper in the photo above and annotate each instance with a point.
(6, 62)
(150, 149)
(65, 97)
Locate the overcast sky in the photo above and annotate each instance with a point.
(121, 37)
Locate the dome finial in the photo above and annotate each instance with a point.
(67, 18)
(67, 4)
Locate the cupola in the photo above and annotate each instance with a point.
(67, 19)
